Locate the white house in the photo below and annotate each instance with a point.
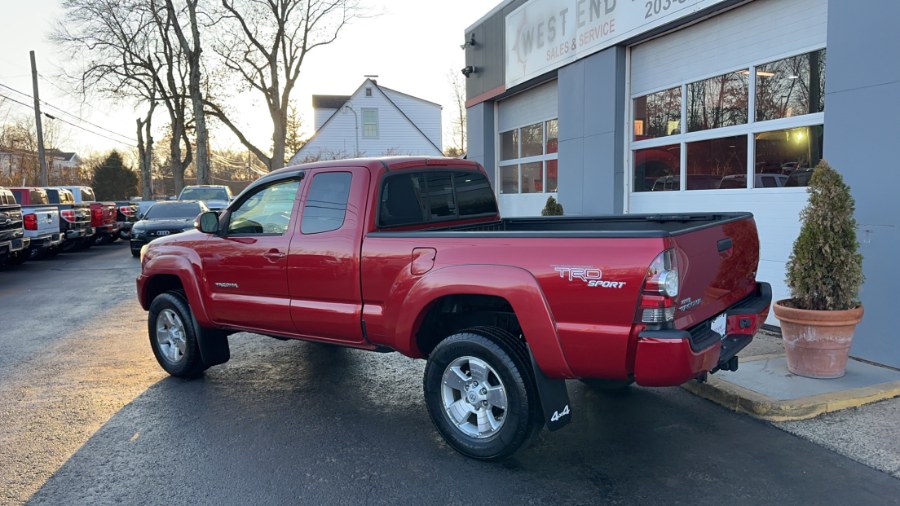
(373, 121)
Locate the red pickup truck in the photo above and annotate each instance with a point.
(410, 255)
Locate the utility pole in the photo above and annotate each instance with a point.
(42, 157)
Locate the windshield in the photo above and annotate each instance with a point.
(204, 194)
(173, 210)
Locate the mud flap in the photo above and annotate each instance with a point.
(213, 344)
(554, 398)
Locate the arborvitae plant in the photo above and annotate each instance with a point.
(552, 208)
(824, 271)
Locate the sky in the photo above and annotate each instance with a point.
(411, 45)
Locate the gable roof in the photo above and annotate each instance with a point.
(386, 96)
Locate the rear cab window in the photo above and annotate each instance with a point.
(422, 197)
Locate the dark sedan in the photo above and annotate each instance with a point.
(162, 219)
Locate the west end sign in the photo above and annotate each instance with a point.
(542, 35)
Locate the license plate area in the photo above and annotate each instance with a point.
(719, 324)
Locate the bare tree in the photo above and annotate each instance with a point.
(128, 54)
(192, 49)
(458, 89)
(264, 43)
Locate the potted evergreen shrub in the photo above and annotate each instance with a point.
(824, 274)
(552, 207)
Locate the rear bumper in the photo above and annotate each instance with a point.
(46, 242)
(672, 357)
(78, 233)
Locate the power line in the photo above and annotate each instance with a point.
(66, 122)
(63, 111)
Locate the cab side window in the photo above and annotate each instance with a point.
(266, 212)
(326, 204)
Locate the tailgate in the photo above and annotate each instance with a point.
(717, 266)
(10, 223)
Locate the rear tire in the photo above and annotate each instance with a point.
(173, 337)
(480, 393)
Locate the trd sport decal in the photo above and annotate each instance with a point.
(591, 276)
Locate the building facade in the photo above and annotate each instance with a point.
(615, 106)
(373, 121)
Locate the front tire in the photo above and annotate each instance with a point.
(480, 393)
(173, 337)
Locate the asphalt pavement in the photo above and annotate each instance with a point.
(89, 418)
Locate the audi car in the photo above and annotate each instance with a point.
(162, 219)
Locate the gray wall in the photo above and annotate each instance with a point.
(480, 137)
(591, 143)
(862, 106)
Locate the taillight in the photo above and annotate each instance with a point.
(30, 222)
(660, 289)
(126, 210)
(68, 215)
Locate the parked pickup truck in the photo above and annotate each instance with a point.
(75, 219)
(41, 221)
(103, 214)
(216, 197)
(13, 243)
(410, 255)
(126, 217)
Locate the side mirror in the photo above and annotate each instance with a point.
(207, 222)
(140, 216)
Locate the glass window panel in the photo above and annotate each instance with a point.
(326, 204)
(552, 177)
(509, 145)
(440, 195)
(268, 211)
(657, 169)
(370, 122)
(718, 102)
(717, 163)
(509, 179)
(533, 140)
(552, 136)
(533, 177)
(791, 87)
(474, 194)
(786, 157)
(657, 114)
(402, 200)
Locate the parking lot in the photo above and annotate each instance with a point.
(88, 418)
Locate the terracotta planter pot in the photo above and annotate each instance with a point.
(817, 343)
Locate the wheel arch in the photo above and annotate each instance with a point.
(494, 289)
(173, 272)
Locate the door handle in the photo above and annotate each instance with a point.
(274, 255)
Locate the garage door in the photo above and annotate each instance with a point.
(728, 115)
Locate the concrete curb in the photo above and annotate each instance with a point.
(743, 400)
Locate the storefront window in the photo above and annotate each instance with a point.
(783, 153)
(533, 140)
(509, 145)
(717, 163)
(509, 179)
(526, 154)
(552, 137)
(786, 157)
(657, 114)
(552, 180)
(657, 169)
(718, 102)
(533, 177)
(791, 87)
